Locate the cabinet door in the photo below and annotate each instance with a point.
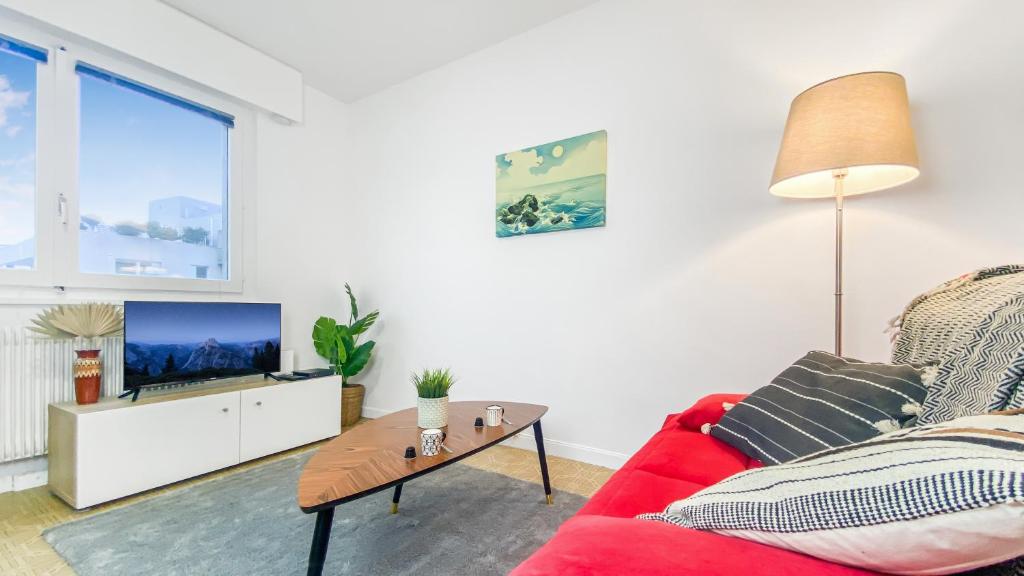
(143, 446)
(283, 416)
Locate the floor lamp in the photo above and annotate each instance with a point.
(847, 136)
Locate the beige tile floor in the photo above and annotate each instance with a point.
(24, 515)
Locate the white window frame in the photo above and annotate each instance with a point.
(57, 153)
(45, 196)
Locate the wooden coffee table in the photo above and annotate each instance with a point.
(371, 457)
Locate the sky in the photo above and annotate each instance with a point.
(576, 157)
(133, 148)
(192, 322)
(17, 148)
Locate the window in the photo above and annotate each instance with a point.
(113, 175)
(152, 181)
(18, 68)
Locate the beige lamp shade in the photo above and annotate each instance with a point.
(859, 124)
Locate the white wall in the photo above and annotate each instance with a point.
(302, 247)
(701, 280)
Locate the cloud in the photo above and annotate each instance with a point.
(15, 191)
(12, 131)
(587, 161)
(521, 162)
(17, 211)
(18, 162)
(10, 99)
(528, 168)
(16, 222)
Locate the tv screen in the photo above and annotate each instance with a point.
(190, 341)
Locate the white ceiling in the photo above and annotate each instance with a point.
(351, 48)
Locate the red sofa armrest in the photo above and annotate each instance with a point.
(707, 410)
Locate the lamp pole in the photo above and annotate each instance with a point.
(837, 180)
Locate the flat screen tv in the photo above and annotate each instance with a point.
(193, 341)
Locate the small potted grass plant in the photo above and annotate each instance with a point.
(432, 388)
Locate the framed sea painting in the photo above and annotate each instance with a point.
(555, 186)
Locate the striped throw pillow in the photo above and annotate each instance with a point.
(935, 499)
(823, 401)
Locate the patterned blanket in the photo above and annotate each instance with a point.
(973, 327)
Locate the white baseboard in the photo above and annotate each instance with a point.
(369, 412)
(554, 447)
(570, 450)
(23, 474)
(30, 480)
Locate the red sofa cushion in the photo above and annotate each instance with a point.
(633, 492)
(605, 538)
(595, 545)
(707, 410)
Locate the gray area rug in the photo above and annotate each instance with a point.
(458, 520)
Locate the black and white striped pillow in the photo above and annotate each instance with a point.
(936, 499)
(823, 401)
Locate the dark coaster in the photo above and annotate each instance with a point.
(410, 452)
(479, 423)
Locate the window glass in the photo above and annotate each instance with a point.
(17, 162)
(153, 185)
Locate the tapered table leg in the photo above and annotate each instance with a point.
(321, 536)
(538, 435)
(396, 498)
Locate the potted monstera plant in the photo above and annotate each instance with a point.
(339, 345)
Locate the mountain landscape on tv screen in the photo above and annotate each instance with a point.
(148, 363)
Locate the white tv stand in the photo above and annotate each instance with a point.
(115, 448)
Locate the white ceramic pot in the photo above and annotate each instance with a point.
(432, 412)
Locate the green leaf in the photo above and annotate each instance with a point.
(325, 338)
(358, 359)
(433, 383)
(342, 349)
(352, 303)
(345, 340)
(364, 323)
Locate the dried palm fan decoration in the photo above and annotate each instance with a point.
(91, 320)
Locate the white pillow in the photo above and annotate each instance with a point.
(935, 499)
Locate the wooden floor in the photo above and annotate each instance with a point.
(24, 515)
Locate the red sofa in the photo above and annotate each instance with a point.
(605, 538)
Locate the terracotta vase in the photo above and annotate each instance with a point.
(88, 373)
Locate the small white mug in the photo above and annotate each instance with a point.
(495, 414)
(431, 441)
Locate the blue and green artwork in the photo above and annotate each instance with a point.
(555, 186)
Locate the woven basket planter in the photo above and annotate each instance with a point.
(432, 412)
(352, 403)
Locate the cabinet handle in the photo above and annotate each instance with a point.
(259, 402)
(223, 409)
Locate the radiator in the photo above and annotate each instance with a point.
(34, 372)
